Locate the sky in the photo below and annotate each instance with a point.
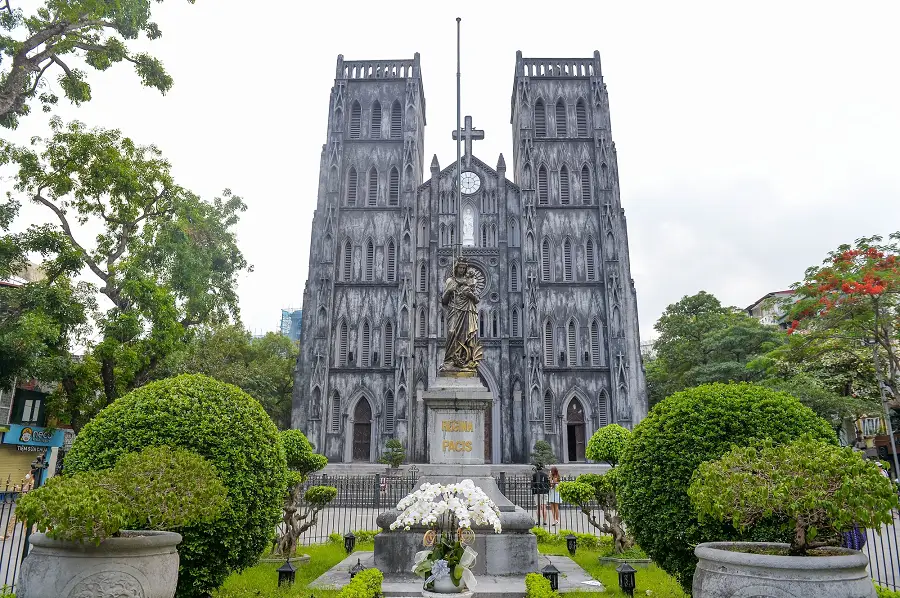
(752, 138)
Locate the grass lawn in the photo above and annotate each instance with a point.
(262, 580)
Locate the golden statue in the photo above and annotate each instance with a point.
(460, 299)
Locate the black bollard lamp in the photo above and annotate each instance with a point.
(286, 573)
(571, 544)
(357, 568)
(349, 542)
(551, 573)
(626, 578)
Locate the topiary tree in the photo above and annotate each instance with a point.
(395, 453)
(588, 489)
(300, 515)
(542, 455)
(159, 488)
(820, 488)
(227, 427)
(696, 425)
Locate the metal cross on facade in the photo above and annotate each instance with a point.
(469, 134)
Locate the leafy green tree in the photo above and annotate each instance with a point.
(163, 258)
(64, 35)
(40, 321)
(395, 453)
(822, 490)
(700, 342)
(261, 367)
(587, 490)
(850, 302)
(542, 454)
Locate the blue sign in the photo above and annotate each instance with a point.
(33, 436)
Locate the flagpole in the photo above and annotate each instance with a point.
(458, 240)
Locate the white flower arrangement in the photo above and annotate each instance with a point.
(464, 501)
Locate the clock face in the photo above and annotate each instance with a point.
(469, 182)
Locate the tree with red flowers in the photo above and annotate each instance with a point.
(851, 301)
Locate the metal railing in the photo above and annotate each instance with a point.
(13, 535)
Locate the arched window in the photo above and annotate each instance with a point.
(482, 328)
(571, 346)
(355, 118)
(394, 188)
(540, 119)
(333, 179)
(336, 412)
(396, 114)
(564, 186)
(329, 248)
(423, 278)
(352, 186)
(548, 412)
(548, 343)
(423, 234)
(347, 269)
(581, 118)
(391, 262)
(545, 260)
(365, 345)
(495, 323)
(595, 343)
(409, 178)
(560, 119)
(567, 260)
(515, 322)
(514, 278)
(484, 235)
(322, 322)
(421, 325)
(529, 246)
(590, 260)
(343, 347)
(513, 233)
(586, 185)
(388, 345)
(493, 235)
(370, 261)
(442, 321)
(603, 408)
(543, 187)
(375, 125)
(372, 196)
(451, 235)
(443, 236)
(389, 412)
(604, 176)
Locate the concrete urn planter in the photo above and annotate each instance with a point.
(726, 573)
(139, 564)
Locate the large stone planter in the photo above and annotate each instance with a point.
(140, 564)
(724, 573)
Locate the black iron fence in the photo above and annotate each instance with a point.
(13, 534)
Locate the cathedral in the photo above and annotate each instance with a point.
(547, 243)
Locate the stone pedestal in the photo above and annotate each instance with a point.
(456, 414)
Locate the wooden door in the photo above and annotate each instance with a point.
(575, 430)
(362, 431)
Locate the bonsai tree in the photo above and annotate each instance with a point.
(159, 488)
(681, 432)
(542, 455)
(588, 489)
(395, 453)
(301, 508)
(821, 489)
(230, 429)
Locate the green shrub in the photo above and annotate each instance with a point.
(366, 584)
(682, 431)
(821, 489)
(395, 453)
(881, 591)
(365, 535)
(543, 454)
(159, 488)
(589, 541)
(229, 428)
(301, 458)
(607, 443)
(538, 586)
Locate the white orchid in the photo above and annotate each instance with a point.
(464, 500)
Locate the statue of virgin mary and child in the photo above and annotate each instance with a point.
(460, 300)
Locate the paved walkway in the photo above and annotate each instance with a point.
(572, 578)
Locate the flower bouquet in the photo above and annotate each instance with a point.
(449, 511)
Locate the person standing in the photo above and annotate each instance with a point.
(554, 499)
(540, 487)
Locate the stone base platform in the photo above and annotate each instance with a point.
(405, 585)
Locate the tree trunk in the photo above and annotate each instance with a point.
(798, 546)
(108, 374)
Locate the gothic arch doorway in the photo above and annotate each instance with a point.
(575, 431)
(362, 431)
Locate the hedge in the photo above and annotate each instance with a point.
(538, 586)
(365, 584)
(228, 427)
(690, 427)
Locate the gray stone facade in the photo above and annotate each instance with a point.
(558, 313)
